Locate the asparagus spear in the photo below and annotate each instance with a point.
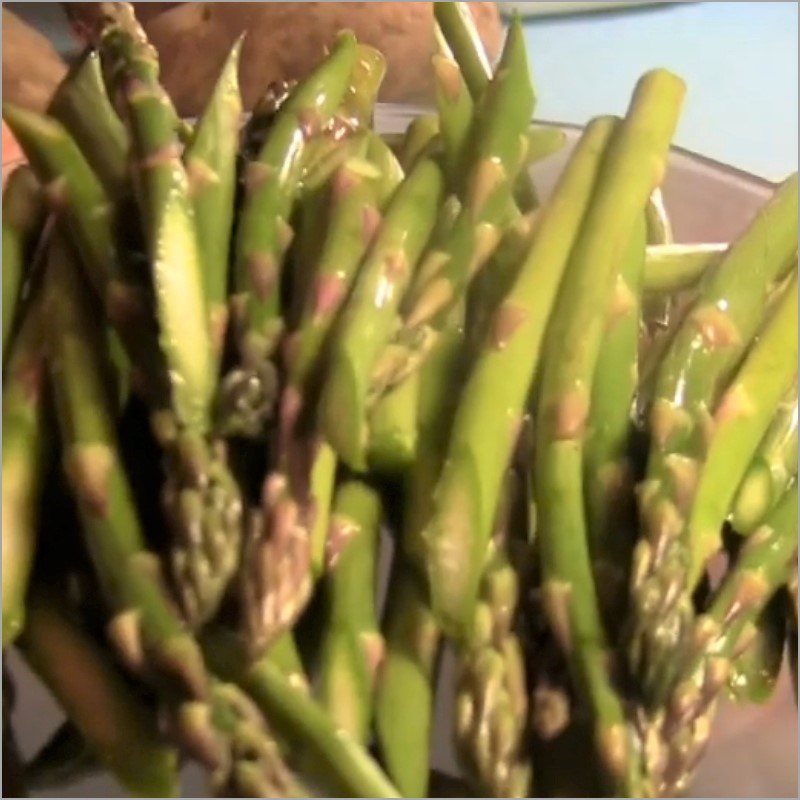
(73, 190)
(404, 693)
(81, 104)
(291, 528)
(369, 314)
(352, 646)
(491, 694)
(163, 195)
(608, 473)
(772, 469)
(709, 341)
(352, 218)
(632, 168)
(719, 635)
(497, 144)
(740, 419)
(456, 536)
(455, 107)
(658, 226)
(96, 698)
(672, 267)
(201, 499)
(368, 73)
(458, 27)
(420, 138)
(754, 673)
(393, 429)
(145, 628)
(26, 455)
(210, 160)
(271, 184)
(22, 216)
(329, 755)
(461, 36)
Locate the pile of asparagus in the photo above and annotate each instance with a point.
(235, 353)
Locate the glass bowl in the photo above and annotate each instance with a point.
(753, 750)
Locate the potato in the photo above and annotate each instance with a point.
(31, 67)
(284, 40)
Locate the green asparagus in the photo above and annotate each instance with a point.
(271, 184)
(352, 647)
(608, 472)
(26, 455)
(456, 536)
(633, 166)
(82, 106)
(22, 217)
(772, 469)
(708, 343)
(211, 169)
(95, 697)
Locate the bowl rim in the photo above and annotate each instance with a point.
(414, 110)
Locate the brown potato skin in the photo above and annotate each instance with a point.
(31, 67)
(284, 40)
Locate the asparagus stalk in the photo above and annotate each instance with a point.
(458, 27)
(718, 636)
(352, 647)
(772, 469)
(670, 268)
(22, 216)
(210, 160)
(201, 498)
(608, 472)
(329, 755)
(369, 315)
(455, 107)
(271, 185)
(93, 694)
(420, 138)
(368, 73)
(73, 190)
(754, 673)
(632, 168)
(393, 429)
(145, 629)
(456, 536)
(708, 343)
(163, 195)
(291, 529)
(658, 226)
(146, 626)
(491, 695)
(405, 689)
(740, 420)
(26, 455)
(352, 219)
(496, 154)
(81, 104)
(462, 39)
